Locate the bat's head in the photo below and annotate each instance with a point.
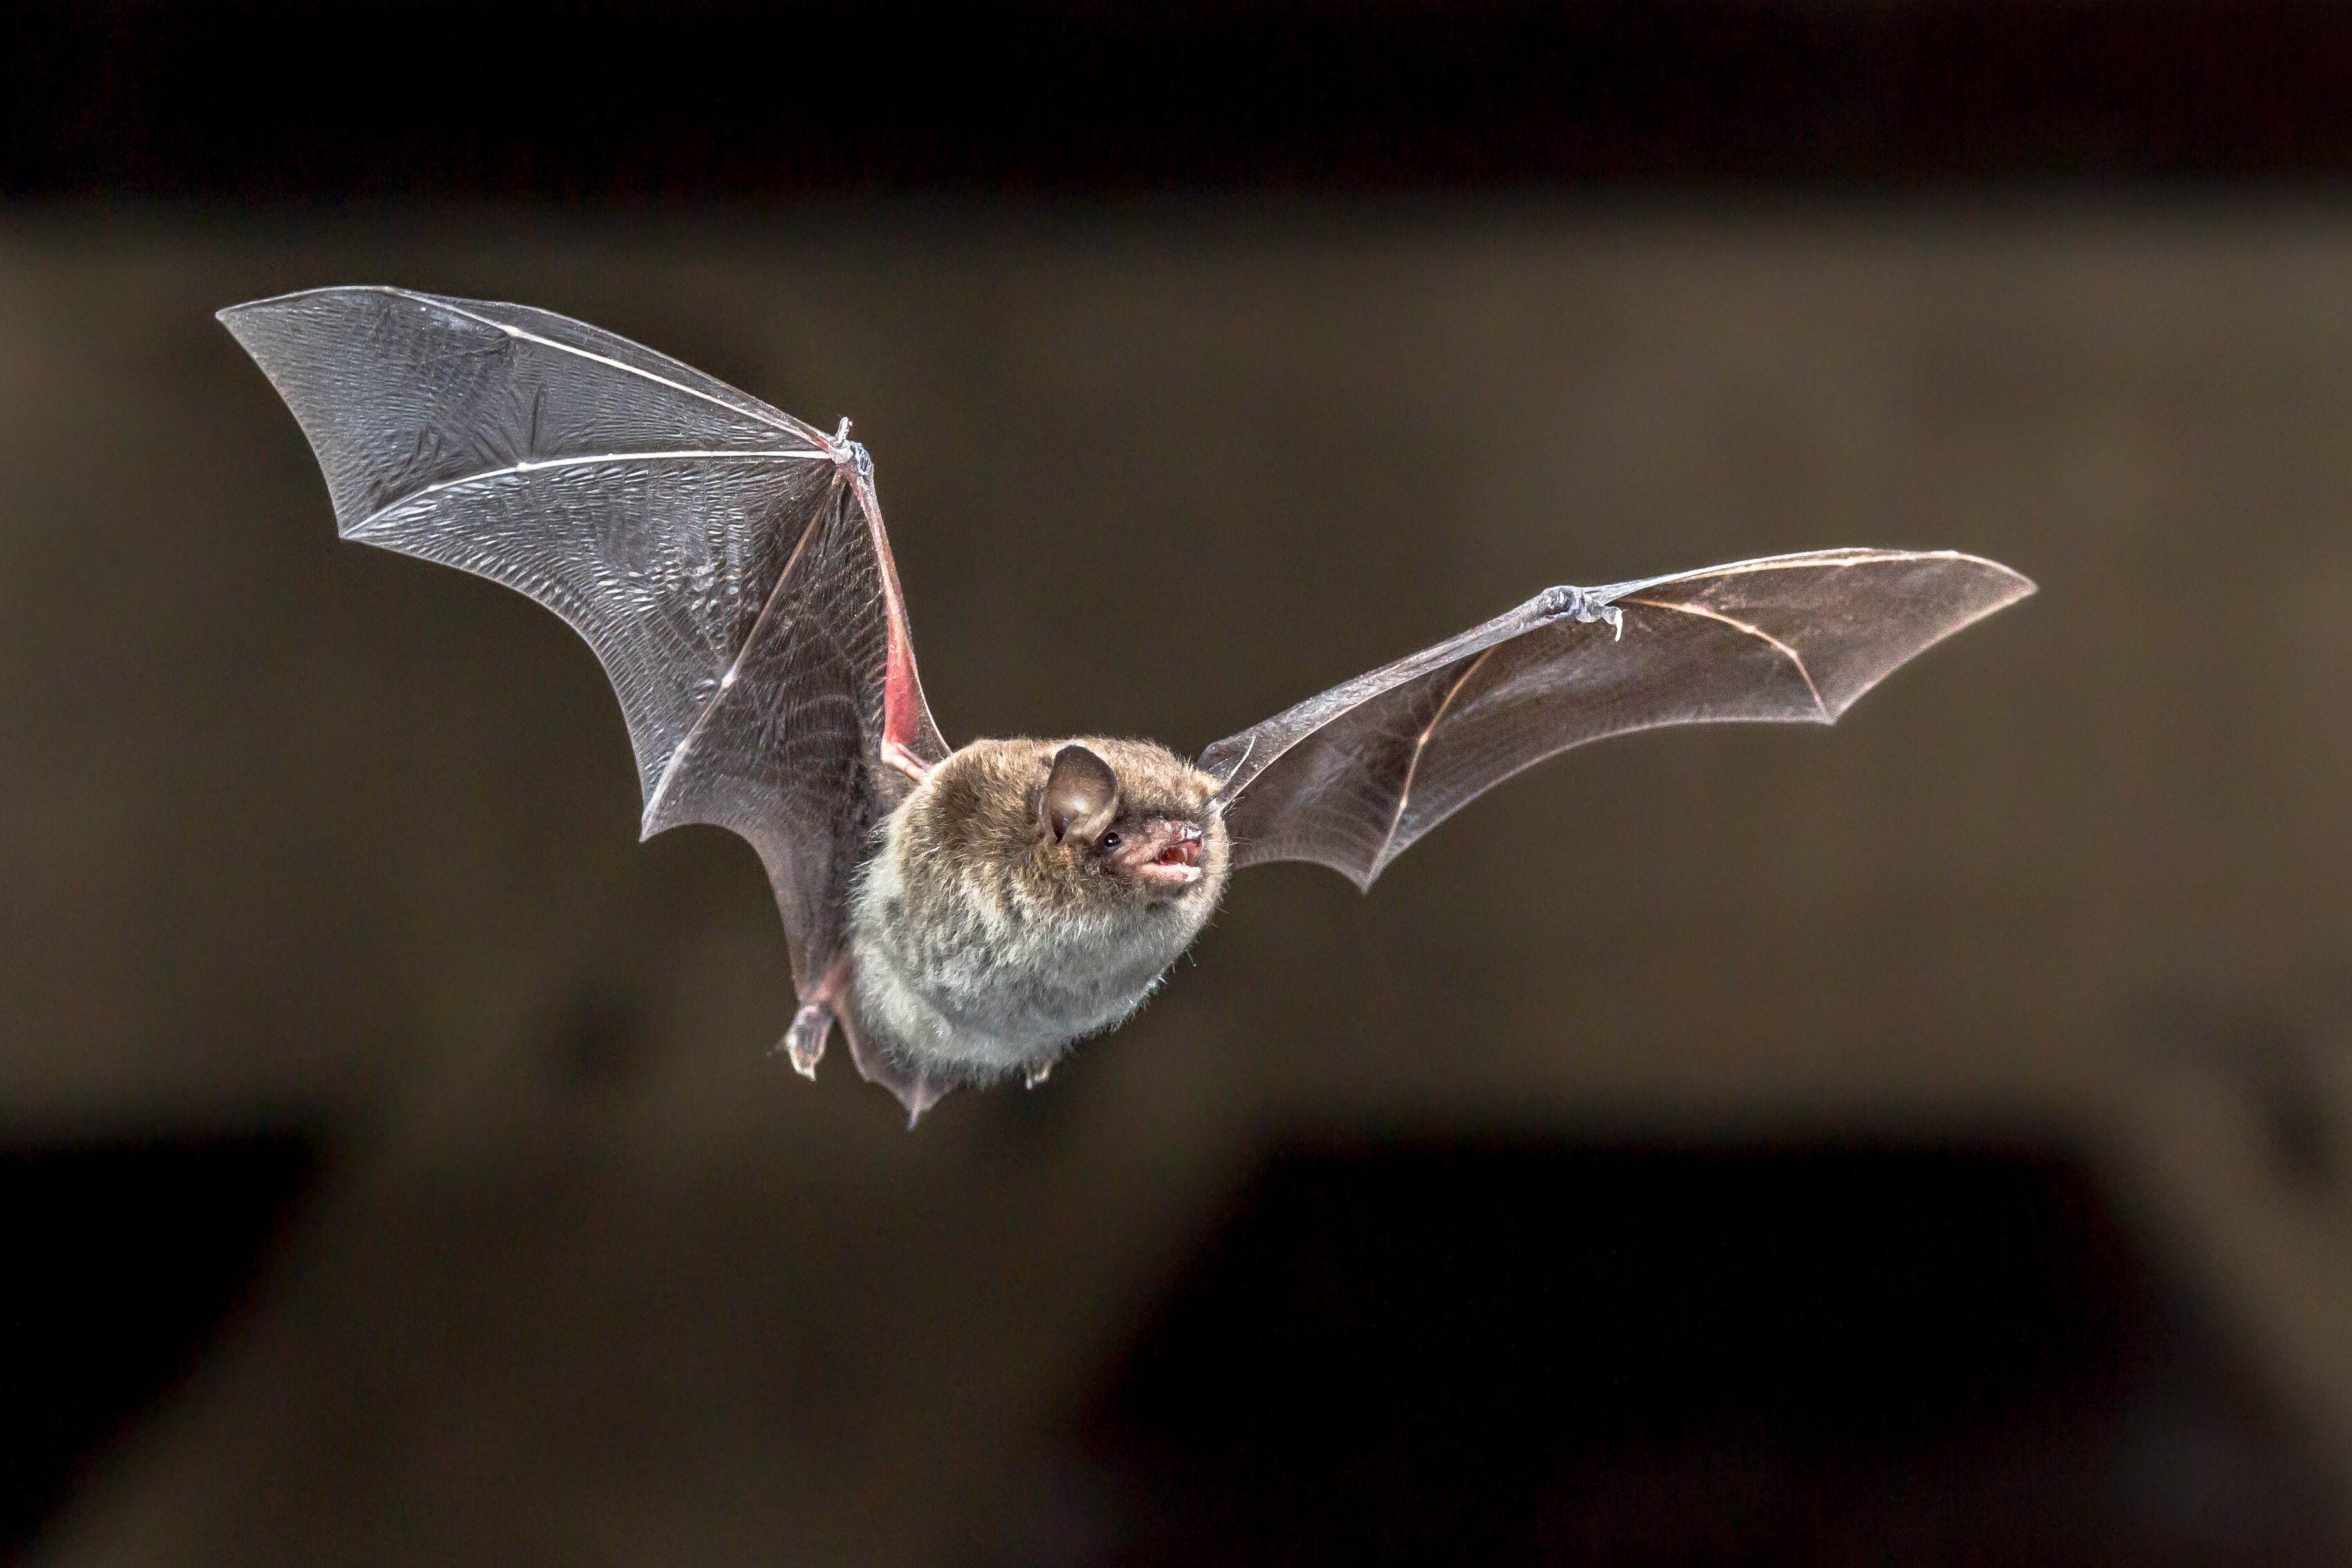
(1127, 822)
(1102, 840)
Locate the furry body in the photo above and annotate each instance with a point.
(981, 945)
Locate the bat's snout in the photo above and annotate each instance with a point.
(1166, 854)
(1185, 850)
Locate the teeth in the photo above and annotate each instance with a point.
(1177, 863)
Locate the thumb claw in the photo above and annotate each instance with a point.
(1576, 604)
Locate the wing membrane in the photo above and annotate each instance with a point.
(1351, 778)
(726, 562)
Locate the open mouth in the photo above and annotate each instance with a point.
(1177, 862)
(1185, 851)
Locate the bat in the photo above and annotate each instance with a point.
(967, 914)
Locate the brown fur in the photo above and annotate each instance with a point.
(982, 946)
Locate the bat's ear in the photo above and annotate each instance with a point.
(1080, 799)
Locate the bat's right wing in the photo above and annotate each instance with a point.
(726, 562)
(1351, 778)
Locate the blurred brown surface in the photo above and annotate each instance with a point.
(299, 832)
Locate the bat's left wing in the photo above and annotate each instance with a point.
(1351, 778)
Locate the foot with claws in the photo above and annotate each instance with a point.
(803, 1042)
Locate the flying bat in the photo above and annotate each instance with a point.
(967, 914)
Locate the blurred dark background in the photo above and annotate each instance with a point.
(1922, 1140)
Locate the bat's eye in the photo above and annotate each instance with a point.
(1109, 843)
